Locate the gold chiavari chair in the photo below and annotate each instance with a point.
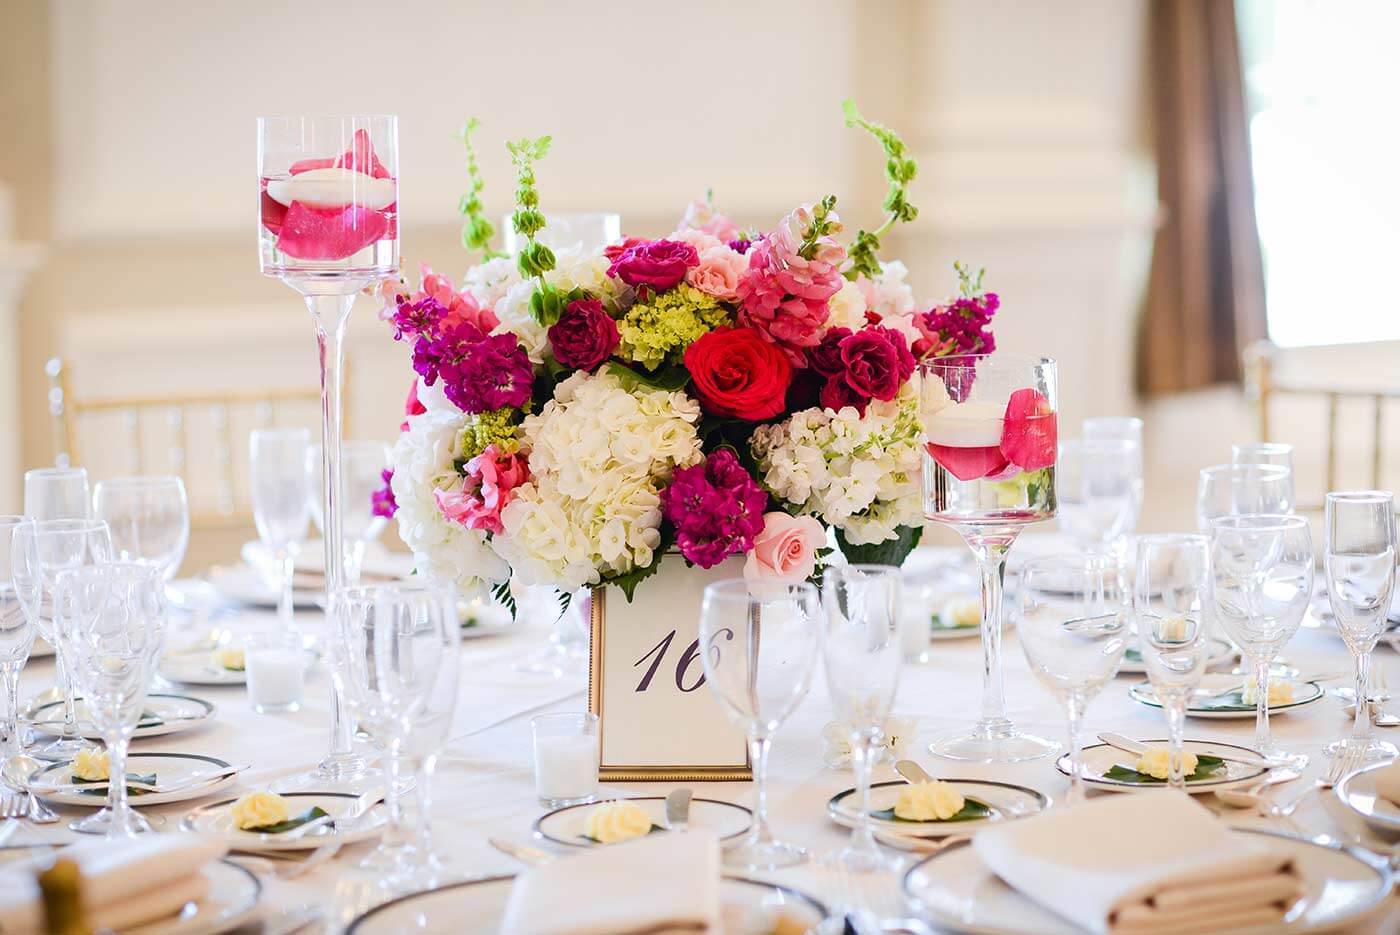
(226, 504)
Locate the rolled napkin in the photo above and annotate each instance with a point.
(1148, 864)
(662, 884)
(125, 883)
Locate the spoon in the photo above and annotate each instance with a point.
(1251, 796)
(17, 772)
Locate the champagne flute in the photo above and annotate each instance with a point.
(1359, 561)
(862, 654)
(1261, 580)
(1169, 604)
(759, 682)
(1073, 632)
(149, 519)
(362, 464)
(57, 493)
(280, 509)
(17, 589)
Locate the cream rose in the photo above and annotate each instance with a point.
(230, 657)
(786, 548)
(92, 764)
(616, 821)
(1280, 692)
(928, 801)
(962, 612)
(1156, 762)
(258, 810)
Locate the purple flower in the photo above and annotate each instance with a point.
(656, 264)
(716, 507)
(877, 362)
(479, 372)
(584, 336)
(382, 502)
(740, 245)
(416, 318)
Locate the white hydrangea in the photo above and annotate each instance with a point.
(423, 461)
(573, 269)
(513, 310)
(599, 457)
(857, 473)
(489, 282)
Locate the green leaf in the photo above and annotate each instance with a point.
(669, 379)
(1206, 766)
(627, 583)
(971, 809)
(900, 170)
(890, 552)
(311, 814)
(500, 591)
(147, 778)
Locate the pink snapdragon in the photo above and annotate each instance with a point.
(784, 295)
(702, 216)
(489, 486)
(461, 306)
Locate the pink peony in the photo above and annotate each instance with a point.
(461, 306)
(719, 272)
(786, 548)
(702, 216)
(490, 482)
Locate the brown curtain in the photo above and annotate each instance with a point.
(1205, 299)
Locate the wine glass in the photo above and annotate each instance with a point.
(1073, 632)
(17, 589)
(761, 643)
(57, 493)
(1169, 603)
(1261, 579)
(362, 467)
(112, 620)
(328, 226)
(41, 551)
(1112, 428)
(149, 519)
(1359, 561)
(1099, 487)
(990, 431)
(280, 502)
(862, 654)
(396, 660)
(1233, 489)
(1275, 453)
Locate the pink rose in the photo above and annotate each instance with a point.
(491, 479)
(719, 272)
(786, 548)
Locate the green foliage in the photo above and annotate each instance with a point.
(971, 809)
(890, 552)
(627, 583)
(823, 225)
(476, 231)
(669, 379)
(900, 170)
(1206, 766)
(969, 285)
(535, 258)
(500, 592)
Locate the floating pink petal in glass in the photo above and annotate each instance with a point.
(1029, 435)
(318, 234)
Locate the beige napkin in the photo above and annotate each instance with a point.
(663, 883)
(125, 883)
(1146, 864)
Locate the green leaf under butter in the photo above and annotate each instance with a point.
(971, 809)
(311, 814)
(1206, 767)
(149, 779)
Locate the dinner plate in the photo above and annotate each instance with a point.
(1220, 651)
(197, 667)
(957, 891)
(1100, 757)
(1358, 793)
(162, 714)
(1006, 800)
(245, 585)
(170, 768)
(216, 818)
(749, 907)
(567, 825)
(1304, 693)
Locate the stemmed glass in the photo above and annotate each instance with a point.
(1359, 560)
(396, 662)
(761, 643)
(1275, 453)
(328, 227)
(17, 588)
(57, 493)
(1169, 602)
(1112, 428)
(362, 466)
(42, 550)
(1099, 487)
(112, 618)
(862, 653)
(149, 518)
(1073, 632)
(1233, 489)
(990, 429)
(1261, 579)
(280, 502)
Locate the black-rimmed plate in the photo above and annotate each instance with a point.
(169, 769)
(1100, 758)
(1209, 702)
(1220, 652)
(217, 819)
(162, 714)
(567, 825)
(1006, 801)
(1358, 793)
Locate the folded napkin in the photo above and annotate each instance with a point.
(125, 883)
(664, 883)
(1145, 864)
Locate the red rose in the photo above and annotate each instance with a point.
(657, 264)
(734, 372)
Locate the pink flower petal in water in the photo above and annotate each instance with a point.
(968, 464)
(306, 165)
(316, 234)
(1029, 435)
(361, 157)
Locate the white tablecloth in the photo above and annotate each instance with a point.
(485, 785)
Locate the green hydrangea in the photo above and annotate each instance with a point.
(661, 329)
(487, 428)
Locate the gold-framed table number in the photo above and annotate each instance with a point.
(656, 720)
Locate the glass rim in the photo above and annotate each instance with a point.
(1268, 470)
(866, 567)
(1095, 560)
(1264, 446)
(69, 524)
(1172, 538)
(54, 472)
(1101, 444)
(992, 357)
(117, 571)
(734, 589)
(554, 717)
(139, 480)
(421, 586)
(1259, 522)
(1359, 496)
(15, 519)
(264, 118)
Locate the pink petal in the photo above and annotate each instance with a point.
(314, 234)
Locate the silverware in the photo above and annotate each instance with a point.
(524, 853)
(678, 809)
(8, 829)
(1343, 763)
(149, 722)
(12, 805)
(194, 780)
(1128, 745)
(337, 825)
(1252, 795)
(912, 772)
(907, 842)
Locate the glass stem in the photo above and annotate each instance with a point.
(1361, 727)
(1074, 721)
(1176, 734)
(116, 786)
(393, 769)
(758, 754)
(13, 746)
(861, 756)
(423, 790)
(284, 602)
(1262, 741)
(991, 564)
(354, 561)
(65, 684)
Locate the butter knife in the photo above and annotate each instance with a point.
(912, 772)
(1128, 745)
(521, 852)
(678, 809)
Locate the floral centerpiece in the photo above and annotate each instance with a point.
(580, 418)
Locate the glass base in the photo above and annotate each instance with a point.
(752, 854)
(389, 858)
(854, 858)
(1376, 751)
(565, 803)
(992, 742)
(557, 659)
(350, 773)
(100, 822)
(62, 750)
(1282, 759)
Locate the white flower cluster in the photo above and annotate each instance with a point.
(599, 457)
(423, 460)
(510, 296)
(857, 473)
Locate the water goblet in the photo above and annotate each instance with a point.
(280, 502)
(1233, 489)
(57, 493)
(1099, 488)
(18, 588)
(760, 644)
(862, 652)
(1073, 632)
(1275, 453)
(990, 430)
(362, 466)
(149, 519)
(1169, 605)
(113, 622)
(1112, 428)
(1359, 562)
(1261, 580)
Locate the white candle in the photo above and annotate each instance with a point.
(276, 678)
(566, 766)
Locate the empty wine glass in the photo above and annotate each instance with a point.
(761, 643)
(1073, 631)
(1112, 428)
(362, 466)
(1233, 489)
(42, 550)
(1169, 604)
(18, 588)
(1261, 579)
(862, 654)
(1099, 488)
(1359, 560)
(57, 493)
(1275, 453)
(280, 501)
(112, 618)
(396, 662)
(149, 518)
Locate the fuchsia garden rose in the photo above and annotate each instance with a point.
(786, 548)
(584, 336)
(489, 483)
(655, 264)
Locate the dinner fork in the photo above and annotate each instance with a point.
(1343, 763)
(13, 805)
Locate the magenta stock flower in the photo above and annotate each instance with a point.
(382, 502)
(584, 336)
(479, 372)
(655, 264)
(716, 507)
(964, 327)
(489, 484)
